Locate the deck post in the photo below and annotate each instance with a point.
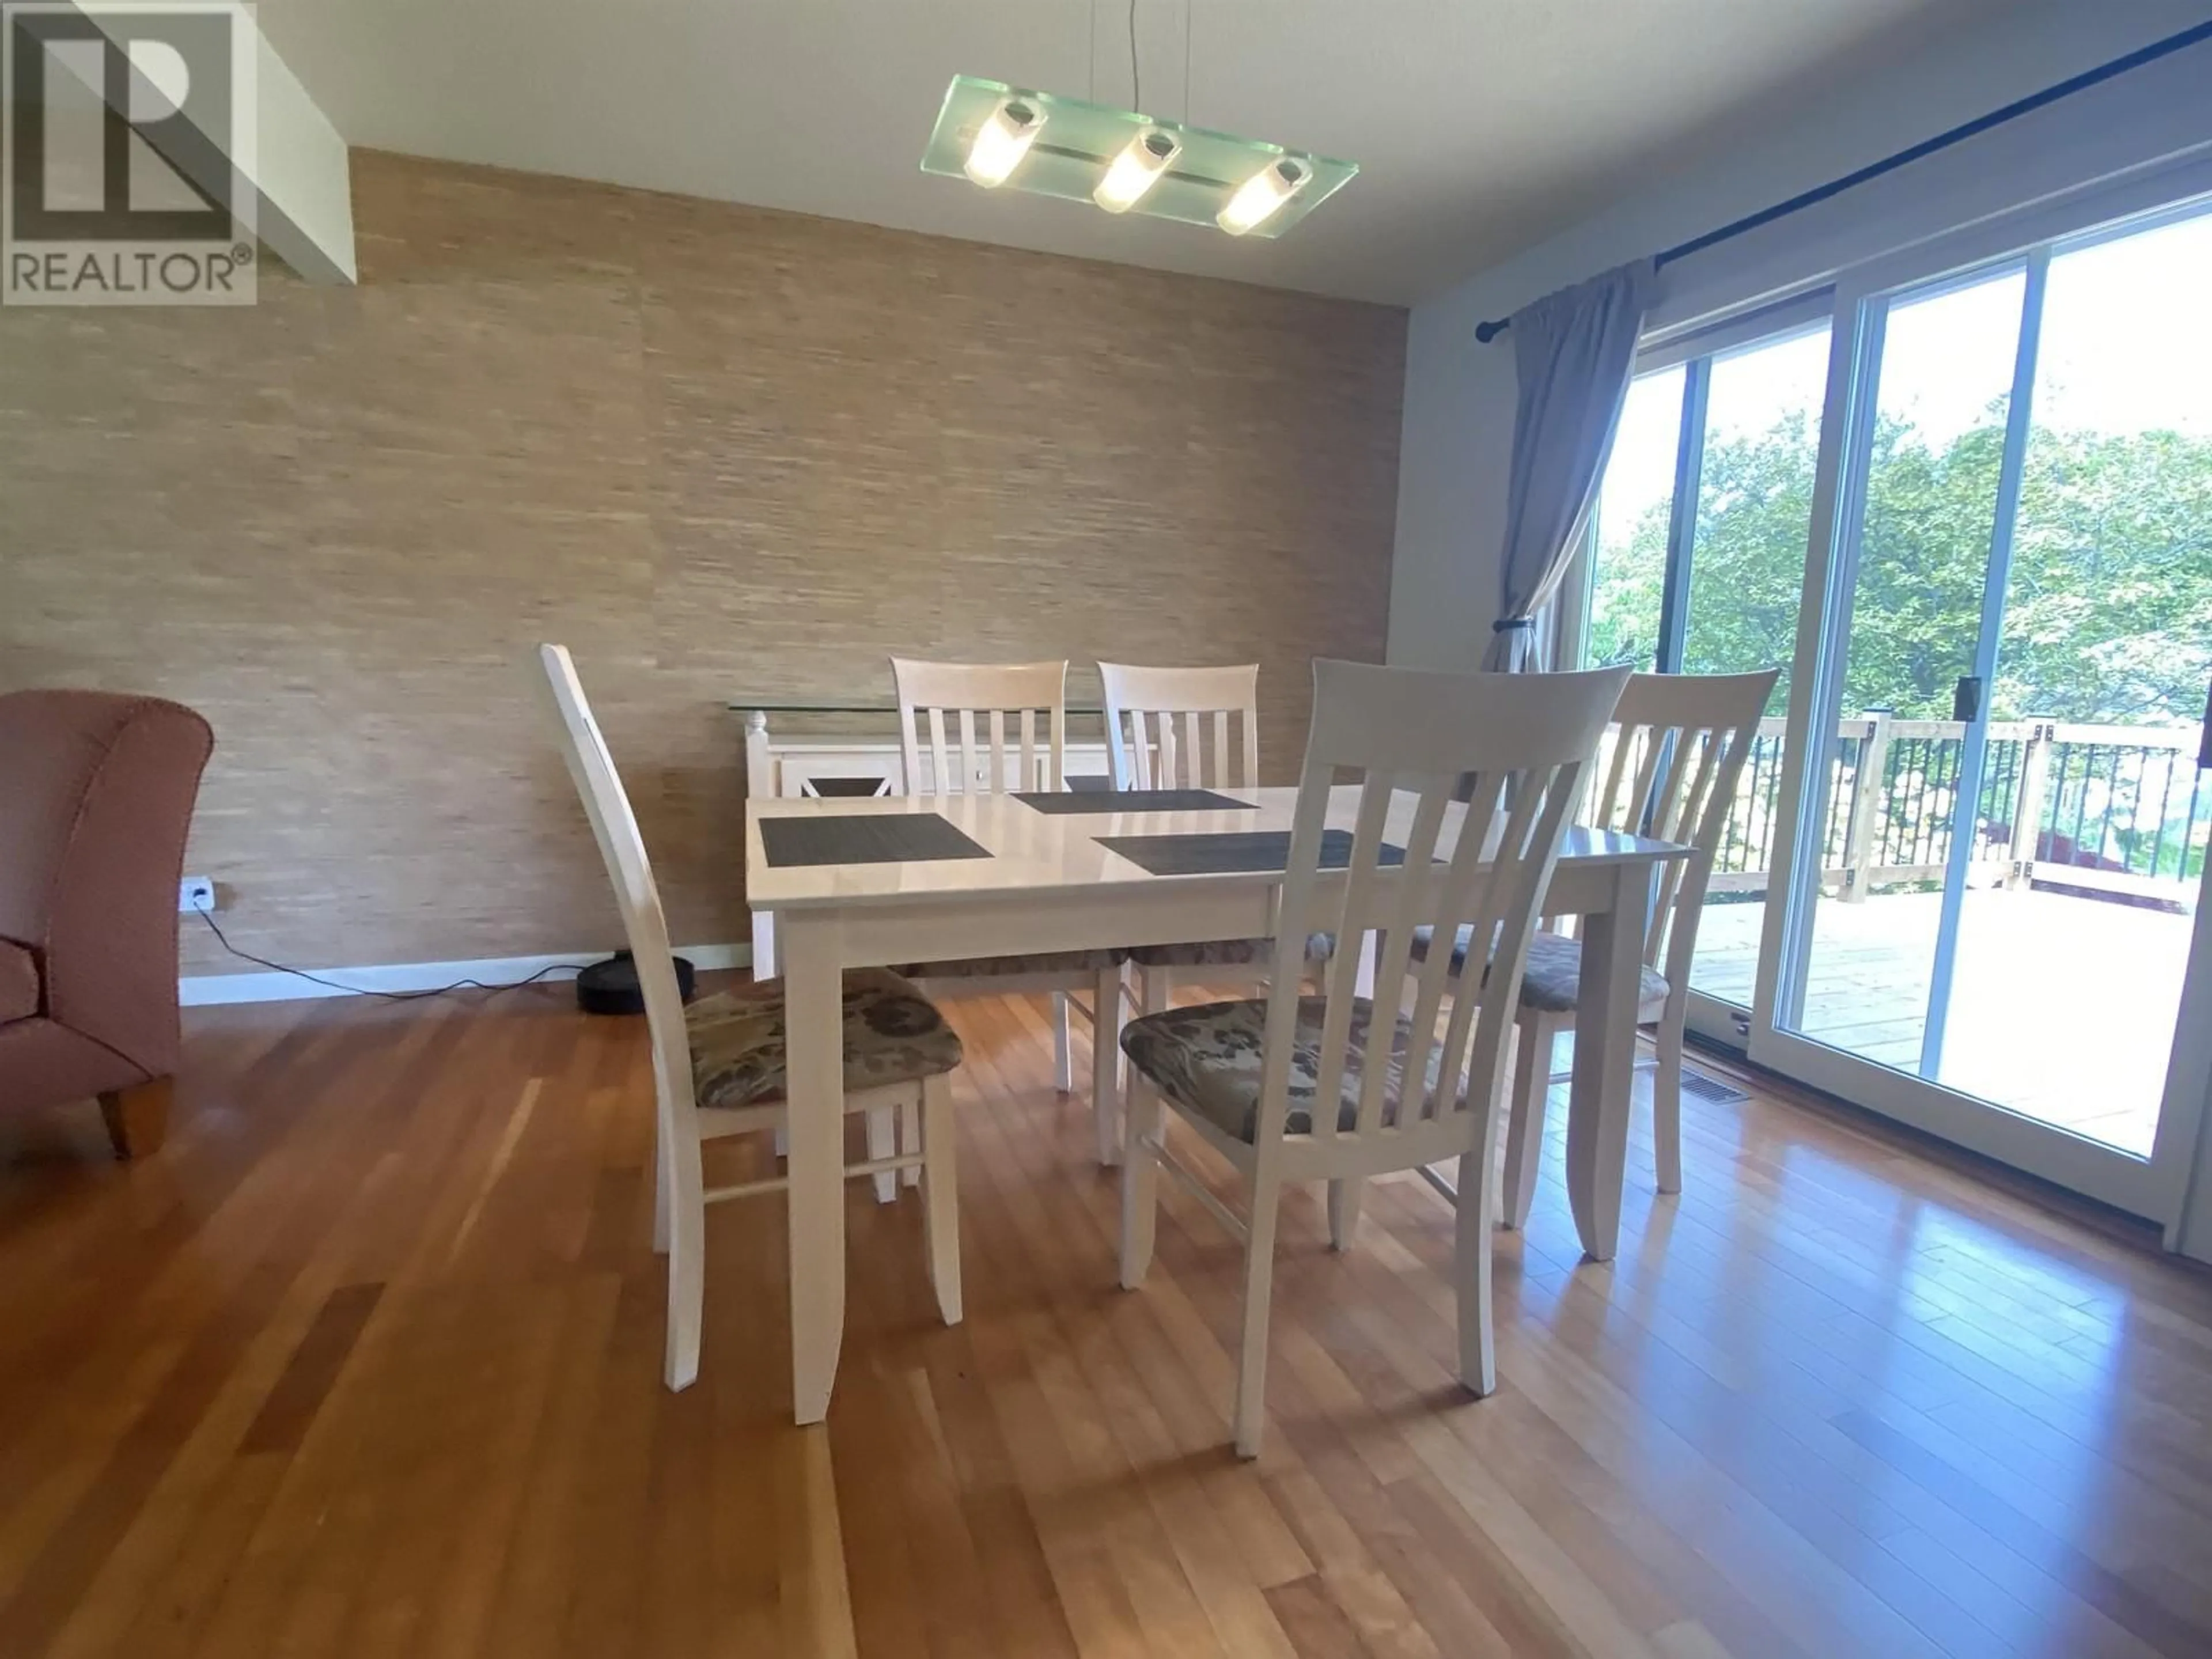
(1866, 806)
(2027, 812)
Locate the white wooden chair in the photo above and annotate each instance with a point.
(719, 1066)
(969, 758)
(1246, 1075)
(1186, 728)
(1669, 768)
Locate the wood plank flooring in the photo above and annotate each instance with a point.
(366, 1362)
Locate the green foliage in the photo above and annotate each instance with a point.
(2109, 614)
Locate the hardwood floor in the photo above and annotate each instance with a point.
(366, 1361)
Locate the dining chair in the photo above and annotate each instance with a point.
(975, 754)
(1340, 1086)
(719, 1066)
(1187, 728)
(1669, 766)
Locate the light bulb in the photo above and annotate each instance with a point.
(1262, 194)
(1135, 170)
(1002, 141)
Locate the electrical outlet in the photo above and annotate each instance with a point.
(195, 894)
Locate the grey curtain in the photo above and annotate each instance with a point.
(1573, 351)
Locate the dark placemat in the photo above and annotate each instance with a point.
(864, 838)
(1094, 802)
(1234, 852)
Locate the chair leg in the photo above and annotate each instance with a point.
(1667, 1104)
(1471, 1251)
(940, 1193)
(911, 1141)
(1259, 1290)
(687, 1260)
(1344, 1202)
(1107, 1016)
(1524, 1131)
(1153, 990)
(1140, 1179)
(662, 1181)
(882, 1142)
(1063, 1048)
(137, 1118)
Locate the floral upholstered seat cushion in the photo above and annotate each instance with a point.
(739, 1056)
(1224, 953)
(1552, 982)
(1016, 967)
(1208, 1059)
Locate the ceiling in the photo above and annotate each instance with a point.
(1480, 126)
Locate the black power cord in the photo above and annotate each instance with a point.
(1136, 86)
(389, 996)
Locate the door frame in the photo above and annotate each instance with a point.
(2155, 1188)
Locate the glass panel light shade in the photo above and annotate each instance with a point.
(1084, 152)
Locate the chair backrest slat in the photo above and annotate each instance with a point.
(1689, 736)
(1520, 747)
(1143, 706)
(622, 849)
(929, 691)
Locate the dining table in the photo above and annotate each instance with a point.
(884, 882)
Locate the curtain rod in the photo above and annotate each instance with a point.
(1488, 331)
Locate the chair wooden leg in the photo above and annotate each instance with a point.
(1524, 1129)
(882, 1142)
(662, 1181)
(940, 1194)
(1471, 1251)
(1109, 1015)
(137, 1118)
(1344, 1202)
(1667, 1104)
(687, 1261)
(1063, 1046)
(1140, 1179)
(1259, 1290)
(911, 1141)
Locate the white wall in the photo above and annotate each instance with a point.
(1460, 394)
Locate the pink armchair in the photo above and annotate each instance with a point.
(96, 794)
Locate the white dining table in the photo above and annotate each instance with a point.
(1048, 884)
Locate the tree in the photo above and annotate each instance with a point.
(2109, 607)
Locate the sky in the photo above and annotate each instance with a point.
(2125, 347)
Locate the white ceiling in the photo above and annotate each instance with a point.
(1480, 126)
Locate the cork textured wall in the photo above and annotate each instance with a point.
(711, 449)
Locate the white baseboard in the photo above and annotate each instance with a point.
(208, 990)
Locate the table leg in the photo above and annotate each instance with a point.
(1605, 1061)
(761, 785)
(816, 1169)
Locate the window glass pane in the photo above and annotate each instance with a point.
(1747, 575)
(1890, 771)
(1629, 570)
(2093, 812)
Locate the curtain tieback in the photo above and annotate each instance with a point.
(1511, 624)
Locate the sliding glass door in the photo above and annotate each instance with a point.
(1996, 836)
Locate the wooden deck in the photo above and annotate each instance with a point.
(2063, 1007)
(366, 1362)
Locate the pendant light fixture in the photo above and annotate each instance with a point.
(1045, 144)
